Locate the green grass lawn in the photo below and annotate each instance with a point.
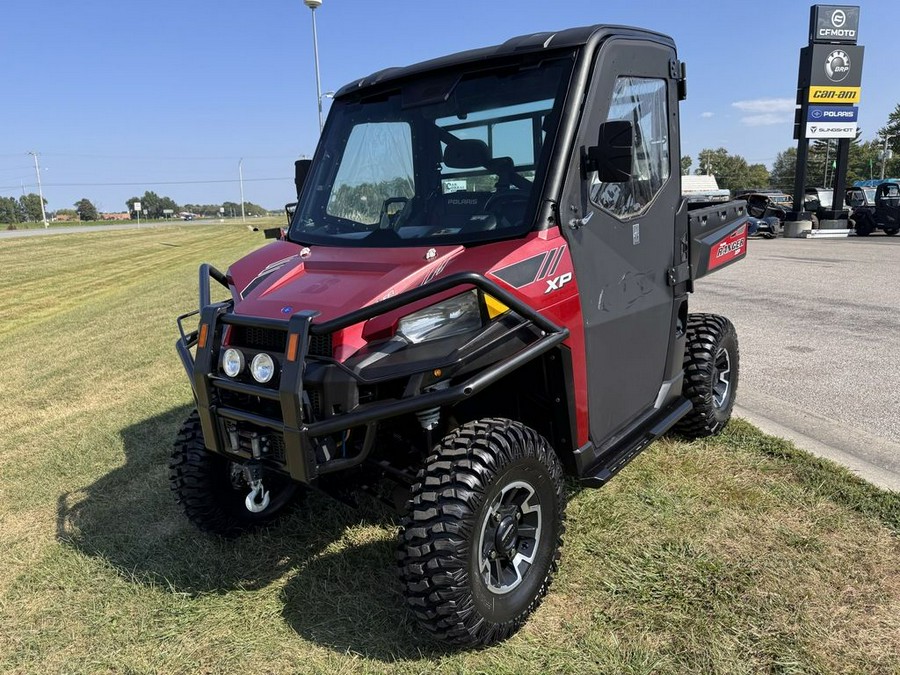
(736, 554)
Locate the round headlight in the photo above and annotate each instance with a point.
(232, 362)
(262, 368)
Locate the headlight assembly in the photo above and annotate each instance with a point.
(262, 367)
(232, 362)
(453, 316)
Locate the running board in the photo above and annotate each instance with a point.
(632, 446)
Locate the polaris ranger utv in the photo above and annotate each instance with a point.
(483, 289)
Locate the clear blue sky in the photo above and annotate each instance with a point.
(177, 91)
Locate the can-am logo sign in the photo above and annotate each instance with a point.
(837, 65)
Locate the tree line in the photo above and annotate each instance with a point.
(27, 209)
(864, 162)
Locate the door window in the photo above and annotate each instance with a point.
(643, 102)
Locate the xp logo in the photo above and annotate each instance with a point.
(838, 18)
(837, 65)
(558, 282)
(287, 309)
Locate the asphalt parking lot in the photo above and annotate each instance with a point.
(818, 322)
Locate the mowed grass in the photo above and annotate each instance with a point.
(734, 554)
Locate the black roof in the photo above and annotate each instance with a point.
(535, 42)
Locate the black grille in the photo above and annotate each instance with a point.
(266, 339)
(273, 340)
(320, 345)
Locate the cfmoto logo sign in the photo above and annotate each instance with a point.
(838, 18)
(837, 65)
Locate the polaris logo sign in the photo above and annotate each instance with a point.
(832, 113)
(834, 23)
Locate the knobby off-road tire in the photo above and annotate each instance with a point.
(493, 485)
(711, 369)
(212, 497)
(864, 226)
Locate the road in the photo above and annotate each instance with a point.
(129, 225)
(818, 325)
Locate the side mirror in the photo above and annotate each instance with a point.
(611, 157)
(301, 170)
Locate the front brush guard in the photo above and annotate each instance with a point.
(300, 458)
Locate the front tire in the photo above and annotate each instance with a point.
(211, 490)
(481, 542)
(711, 369)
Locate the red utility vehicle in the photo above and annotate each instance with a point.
(483, 289)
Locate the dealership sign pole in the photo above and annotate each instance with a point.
(828, 89)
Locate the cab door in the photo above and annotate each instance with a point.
(622, 236)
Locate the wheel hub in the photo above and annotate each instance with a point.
(506, 535)
(510, 536)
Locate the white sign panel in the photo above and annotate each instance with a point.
(137, 206)
(831, 129)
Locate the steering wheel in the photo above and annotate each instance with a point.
(388, 221)
(508, 207)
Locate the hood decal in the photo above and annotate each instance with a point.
(259, 278)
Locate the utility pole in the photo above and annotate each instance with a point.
(37, 170)
(241, 175)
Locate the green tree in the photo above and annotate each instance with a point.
(86, 209)
(731, 171)
(152, 203)
(782, 174)
(686, 162)
(757, 176)
(31, 206)
(11, 211)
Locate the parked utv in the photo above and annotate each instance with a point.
(875, 209)
(483, 289)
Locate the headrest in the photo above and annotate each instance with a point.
(470, 153)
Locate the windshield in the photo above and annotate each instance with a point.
(447, 159)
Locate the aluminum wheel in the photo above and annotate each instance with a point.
(510, 536)
(721, 378)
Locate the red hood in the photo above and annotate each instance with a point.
(283, 277)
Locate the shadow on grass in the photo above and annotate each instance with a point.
(341, 594)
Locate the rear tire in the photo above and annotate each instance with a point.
(891, 231)
(212, 495)
(864, 226)
(481, 542)
(711, 369)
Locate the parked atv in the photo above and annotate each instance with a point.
(483, 289)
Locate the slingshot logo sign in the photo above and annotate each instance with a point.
(837, 65)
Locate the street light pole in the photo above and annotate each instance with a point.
(884, 153)
(313, 5)
(37, 170)
(241, 175)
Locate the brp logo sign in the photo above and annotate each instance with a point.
(838, 18)
(837, 65)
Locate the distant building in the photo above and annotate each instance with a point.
(124, 215)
